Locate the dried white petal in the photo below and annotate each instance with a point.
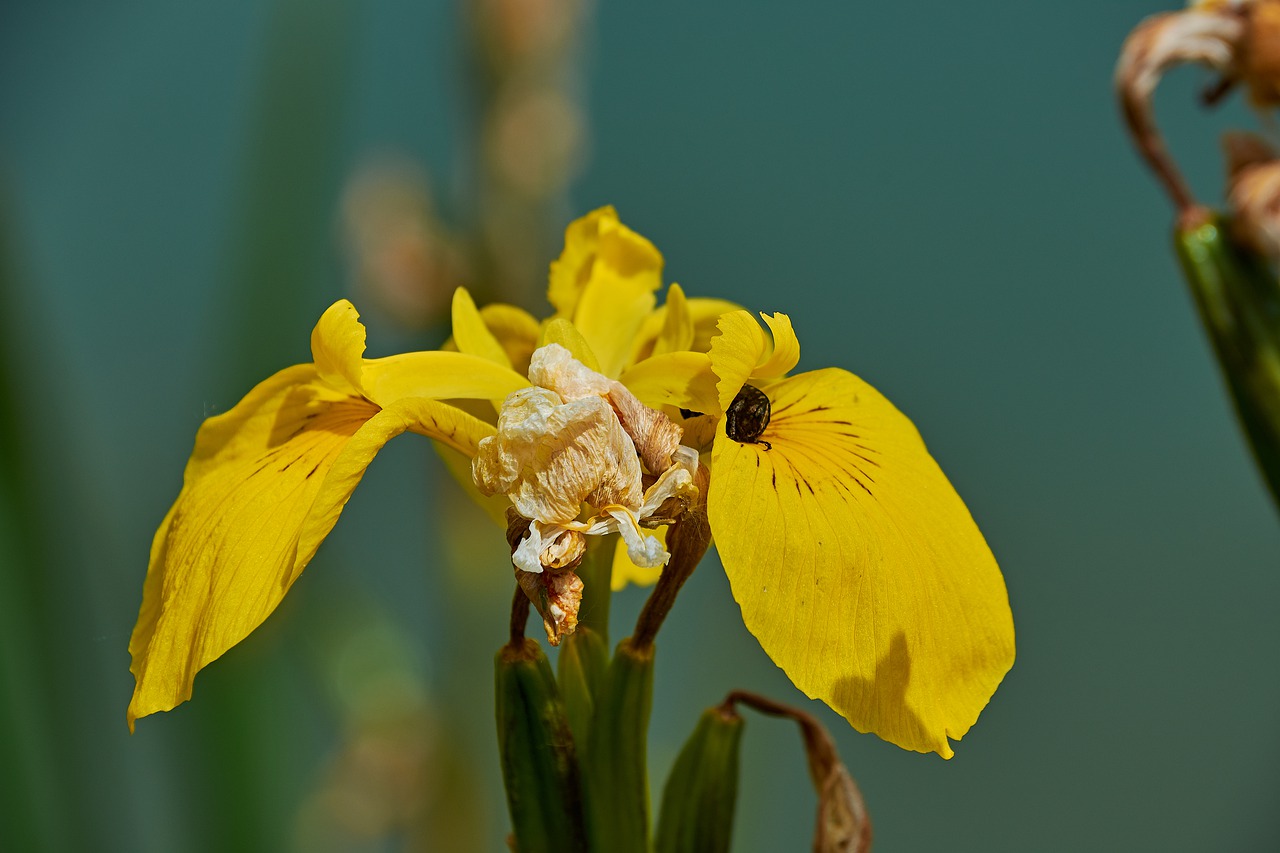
(550, 456)
(578, 437)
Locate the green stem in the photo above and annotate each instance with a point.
(539, 761)
(616, 765)
(596, 573)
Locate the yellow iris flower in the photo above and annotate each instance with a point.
(856, 564)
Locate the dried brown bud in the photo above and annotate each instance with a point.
(1253, 194)
(843, 823)
(556, 592)
(557, 596)
(1210, 36)
(1259, 52)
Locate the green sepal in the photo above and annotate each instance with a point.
(1238, 298)
(702, 789)
(583, 665)
(616, 765)
(539, 761)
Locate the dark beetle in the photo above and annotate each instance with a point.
(747, 416)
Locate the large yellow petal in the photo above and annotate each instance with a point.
(857, 565)
(264, 486)
(227, 551)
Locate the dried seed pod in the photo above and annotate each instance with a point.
(747, 416)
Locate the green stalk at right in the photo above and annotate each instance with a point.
(1238, 298)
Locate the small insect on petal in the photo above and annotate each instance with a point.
(747, 416)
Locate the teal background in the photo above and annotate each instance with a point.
(940, 196)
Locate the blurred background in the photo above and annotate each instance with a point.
(939, 194)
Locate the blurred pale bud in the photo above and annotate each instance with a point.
(400, 253)
(525, 32)
(535, 139)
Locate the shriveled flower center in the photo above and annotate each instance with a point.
(572, 452)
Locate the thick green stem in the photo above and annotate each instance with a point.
(701, 792)
(616, 763)
(539, 761)
(1238, 299)
(596, 573)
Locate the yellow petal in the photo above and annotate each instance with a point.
(470, 332)
(786, 348)
(609, 314)
(857, 565)
(677, 326)
(459, 467)
(682, 379)
(438, 375)
(703, 312)
(564, 333)
(337, 346)
(735, 352)
(626, 572)
(604, 281)
(338, 343)
(570, 272)
(264, 486)
(228, 549)
(516, 330)
(447, 425)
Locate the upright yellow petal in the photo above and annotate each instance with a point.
(610, 314)
(470, 332)
(703, 312)
(677, 326)
(337, 346)
(515, 329)
(857, 565)
(735, 352)
(562, 332)
(786, 348)
(571, 271)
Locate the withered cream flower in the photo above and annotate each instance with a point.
(576, 437)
